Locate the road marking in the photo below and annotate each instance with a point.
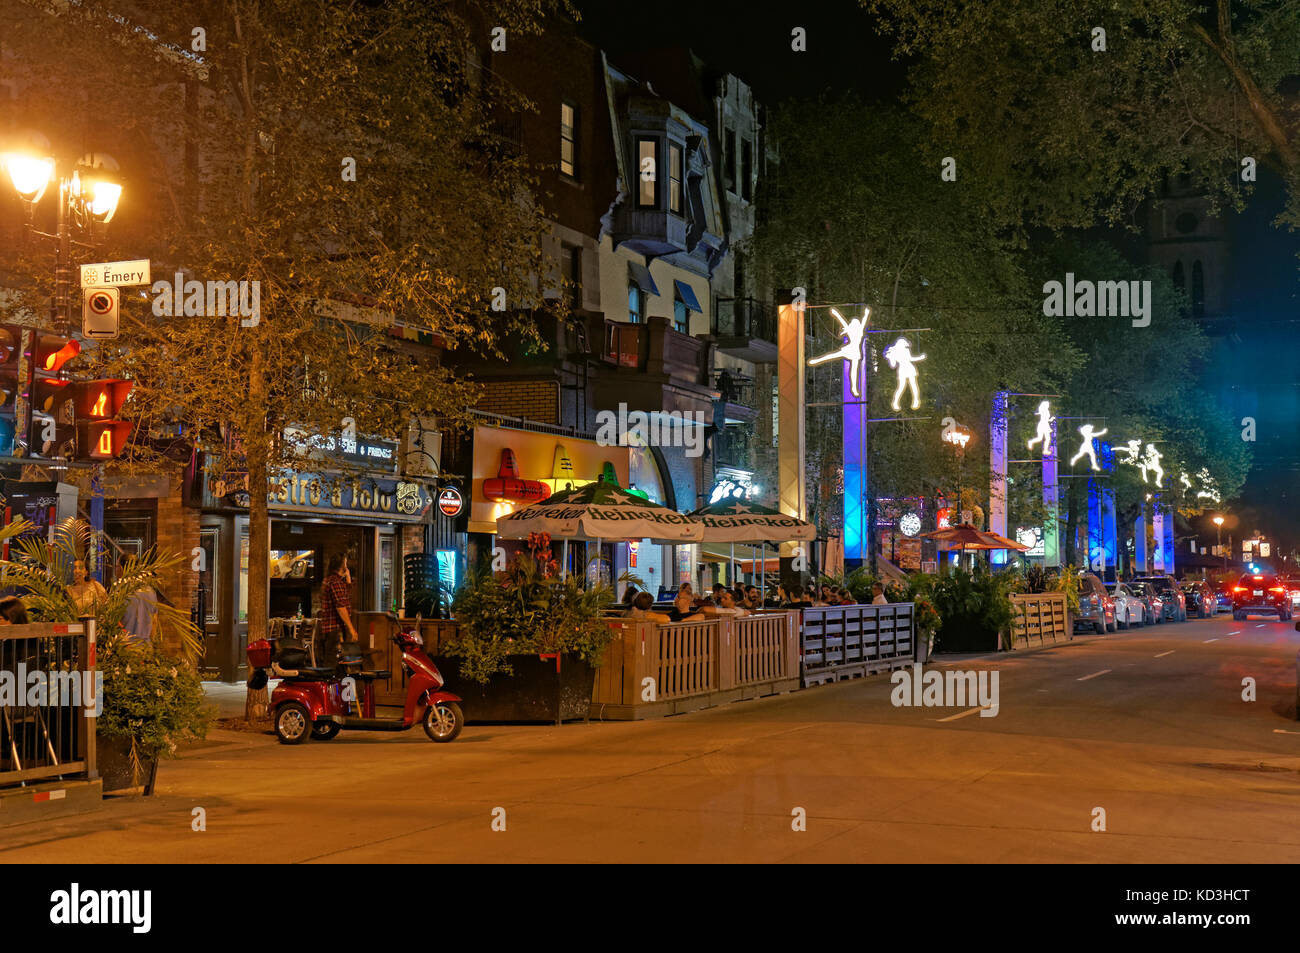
(1093, 675)
(1283, 731)
(1238, 632)
(1211, 640)
(1163, 654)
(963, 714)
(1260, 625)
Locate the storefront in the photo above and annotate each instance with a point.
(513, 468)
(313, 516)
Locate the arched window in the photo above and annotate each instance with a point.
(1198, 290)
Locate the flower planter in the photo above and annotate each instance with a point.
(966, 634)
(113, 759)
(535, 692)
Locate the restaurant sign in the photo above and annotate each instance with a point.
(316, 495)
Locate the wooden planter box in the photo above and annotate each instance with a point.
(114, 764)
(966, 634)
(535, 692)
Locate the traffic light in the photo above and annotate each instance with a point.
(52, 434)
(100, 436)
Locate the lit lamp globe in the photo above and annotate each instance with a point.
(1217, 521)
(30, 166)
(99, 182)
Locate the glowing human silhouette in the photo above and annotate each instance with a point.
(1133, 449)
(1044, 433)
(1151, 461)
(1086, 449)
(899, 355)
(852, 350)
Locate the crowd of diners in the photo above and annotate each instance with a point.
(739, 600)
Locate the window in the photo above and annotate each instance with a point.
(681, 317)
(634, 302)
(729, 158)
(675, 178)
(746, 168)
(571, 272)
(647, 163)
(569, 140)
(209, 542)
(1198, 290)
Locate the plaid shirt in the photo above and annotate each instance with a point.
(335, 594)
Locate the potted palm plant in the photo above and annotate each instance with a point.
(153, 699)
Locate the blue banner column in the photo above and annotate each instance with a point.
(1141, 560)
(1051, 502)
(997, 473)
(1110, 534)
(1167, 539)
(855, 467)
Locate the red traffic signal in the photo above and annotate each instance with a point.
(103, 439)
(99, 400)
(53, 352)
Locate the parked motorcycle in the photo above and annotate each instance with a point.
(320, 702)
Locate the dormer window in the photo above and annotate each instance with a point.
(676, 170)
(647, 163)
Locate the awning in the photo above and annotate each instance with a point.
(687, 294)
(640, 276)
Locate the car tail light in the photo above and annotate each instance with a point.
(1277, 589)
(1238, 588)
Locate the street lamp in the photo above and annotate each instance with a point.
(88, 197)
(1218, 525)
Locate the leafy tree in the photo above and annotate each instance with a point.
(1057, 131)
(241, 143)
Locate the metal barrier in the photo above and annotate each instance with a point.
(47, 702)
(1040, 615)
(851, 641)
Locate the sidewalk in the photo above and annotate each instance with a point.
(227, 699)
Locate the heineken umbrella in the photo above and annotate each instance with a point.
(599, 511)
(735, 520)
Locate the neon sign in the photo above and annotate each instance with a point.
(899, 355)
(851, 351)
(1086, 449)
(1043, 435)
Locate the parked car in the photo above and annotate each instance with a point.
(1199, 598)
(1129, 608)
(1223, 595)
(1096, 607)
(1155, 606)
(1293, 585)
(1261, 594)
(1174, 604)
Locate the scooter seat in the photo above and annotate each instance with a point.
(310, 675)
(371, 676)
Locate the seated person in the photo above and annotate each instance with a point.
(752, 600)
(630, 594)
(794, 600)
(684, 608)
(642, 609)
(878, 595)
(846, 598)
(727, 606)
(12, 611)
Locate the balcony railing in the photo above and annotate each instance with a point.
(744, 318)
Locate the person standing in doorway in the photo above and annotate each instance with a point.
(335, 609)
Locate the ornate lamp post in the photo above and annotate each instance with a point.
(1218, 526)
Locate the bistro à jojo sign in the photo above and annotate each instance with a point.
(313, 494)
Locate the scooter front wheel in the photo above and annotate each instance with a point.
(324, 730)
(443, 721)
(292, 724)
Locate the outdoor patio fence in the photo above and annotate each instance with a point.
(653, 670)
(842, 642)
(1040, 616)
(46, 735)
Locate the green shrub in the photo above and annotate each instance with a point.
(974, 608)
(527, 608)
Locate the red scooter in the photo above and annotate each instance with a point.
(321, 702)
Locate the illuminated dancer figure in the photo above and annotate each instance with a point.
(899, 355)
(1134, 450)
(1044, 432)
(1152, 462)
(852, 349)
(1086, 449)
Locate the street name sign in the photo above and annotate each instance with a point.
(115, 273)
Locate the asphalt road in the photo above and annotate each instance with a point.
(1148, 725)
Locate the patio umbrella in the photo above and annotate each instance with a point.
(735, 520)
(966, 536)
(599, 511)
